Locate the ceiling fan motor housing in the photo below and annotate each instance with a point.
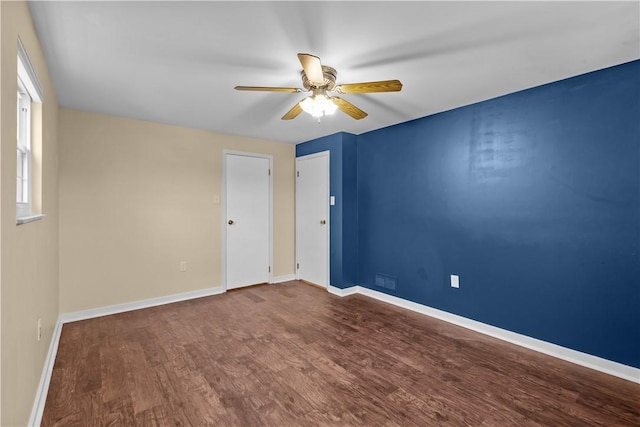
(329, 75)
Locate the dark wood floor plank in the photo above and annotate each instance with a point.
(292, 354)
(115, 412)
(62, 404)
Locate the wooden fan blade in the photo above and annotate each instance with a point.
(269, 89)
(312, 68)
(293, 113)
(349, 108)
(370, 87)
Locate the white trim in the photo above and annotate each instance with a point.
(343, 292)
(579, 358)
(284, 278)
(30, 218)
(43, 387)
(224, 210)
(34, 87)
(327, 154)
(137, 305)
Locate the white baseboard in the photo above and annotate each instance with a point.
(603, 365)
(285, 278)
(43, 387)
(343, 292)
(599, 364)
(45, 378)
(137, 305)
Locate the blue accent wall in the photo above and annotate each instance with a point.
(533, 199)
(343, 256)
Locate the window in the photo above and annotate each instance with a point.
(23, 165)
(29, 91)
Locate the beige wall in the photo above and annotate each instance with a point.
(28, 252)
(136, 198)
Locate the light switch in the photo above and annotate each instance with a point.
(332, 200)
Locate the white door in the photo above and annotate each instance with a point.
(247, 220)
(312, 218)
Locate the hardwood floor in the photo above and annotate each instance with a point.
(295, 355)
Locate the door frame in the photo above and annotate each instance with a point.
(326, 154)
(223, 214)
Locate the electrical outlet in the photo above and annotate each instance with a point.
(455, 281)
(183, 266)
(39, 329)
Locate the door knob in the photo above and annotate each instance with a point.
(230, 222)
(323, 222)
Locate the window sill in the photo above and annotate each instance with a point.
(25, 219)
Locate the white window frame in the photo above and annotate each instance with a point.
(29, 91)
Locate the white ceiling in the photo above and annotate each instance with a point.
(178, 62)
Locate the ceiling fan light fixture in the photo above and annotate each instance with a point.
(320, 80)
(318, 105)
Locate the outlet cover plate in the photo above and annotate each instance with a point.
(455, 281)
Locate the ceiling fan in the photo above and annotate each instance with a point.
(320, 80)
